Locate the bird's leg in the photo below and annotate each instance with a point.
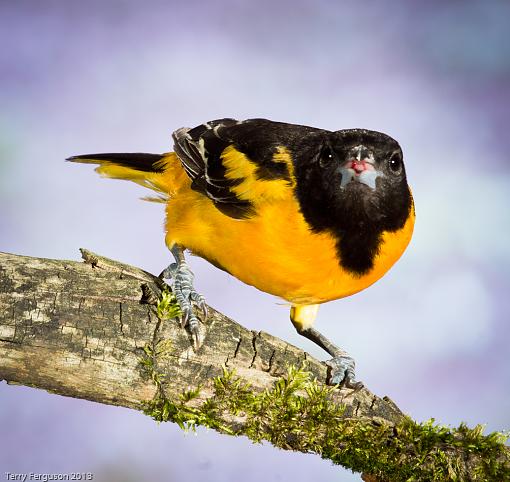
(342, 364)
(185, 293)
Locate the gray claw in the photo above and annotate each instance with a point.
(342, 372)
(185, 293)
(195, 334)
(200, 301)
(184, 316)
(168, 272)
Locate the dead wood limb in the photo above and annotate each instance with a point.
(79, 329)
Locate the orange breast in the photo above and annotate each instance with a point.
(274, 251)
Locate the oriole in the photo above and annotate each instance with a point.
(306, 214)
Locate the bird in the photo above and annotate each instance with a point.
(306, 214)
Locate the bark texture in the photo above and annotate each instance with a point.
(79, 329)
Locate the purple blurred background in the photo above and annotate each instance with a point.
(79, 77)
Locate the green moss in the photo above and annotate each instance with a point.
(298, 413)
(159, 349)
(152, 353)
(167, 306)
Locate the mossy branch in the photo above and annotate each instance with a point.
(105, 331)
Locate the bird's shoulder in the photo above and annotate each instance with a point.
(240, 164)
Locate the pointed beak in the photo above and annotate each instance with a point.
(359, 167)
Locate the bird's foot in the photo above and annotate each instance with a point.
(186, 295)
(341, 372)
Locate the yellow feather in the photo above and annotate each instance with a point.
(162, 182)
(283, 155)
(252, 188)
(275, 250)
(237, 165)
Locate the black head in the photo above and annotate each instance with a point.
(353, 184)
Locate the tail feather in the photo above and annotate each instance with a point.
(148, 170)
(136, 160)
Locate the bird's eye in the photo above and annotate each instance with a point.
(395, 163)
(326, 156)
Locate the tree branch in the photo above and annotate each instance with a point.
(92, 330)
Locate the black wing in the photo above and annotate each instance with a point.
(253, 143)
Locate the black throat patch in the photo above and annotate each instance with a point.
(357, 226)
(357, 249)
(355, 216)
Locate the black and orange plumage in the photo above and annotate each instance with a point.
(306, 214)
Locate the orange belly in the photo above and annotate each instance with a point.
(275, 251)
